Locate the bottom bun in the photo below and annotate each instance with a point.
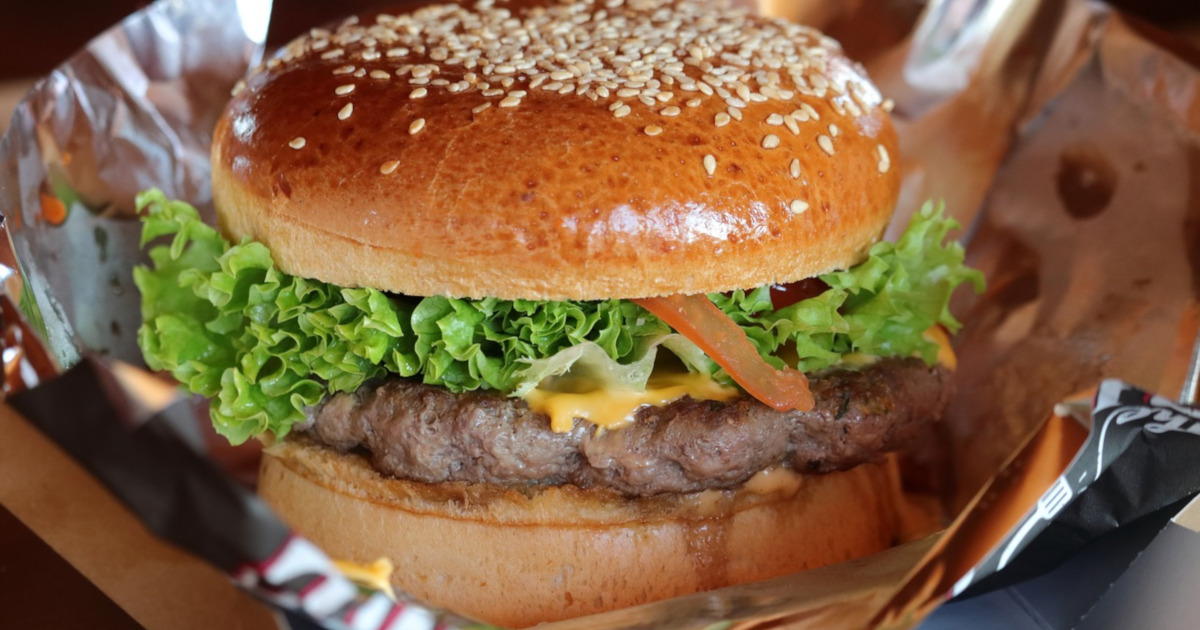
(520, 557)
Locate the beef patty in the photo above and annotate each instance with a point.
(424, 433)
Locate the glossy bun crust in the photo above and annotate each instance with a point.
(548, 150)
(519, 558)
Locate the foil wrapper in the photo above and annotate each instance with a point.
(1062, 134)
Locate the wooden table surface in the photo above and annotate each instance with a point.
(38, 588)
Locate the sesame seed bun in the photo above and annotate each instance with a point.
(547, 150)
(516, 559)
(369, 156)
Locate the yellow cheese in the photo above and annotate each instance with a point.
(946, 355)
(615, 408)
(376, 575)
(774, 480)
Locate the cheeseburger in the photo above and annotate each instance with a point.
(562, 306)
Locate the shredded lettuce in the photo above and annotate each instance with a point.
(266, 345)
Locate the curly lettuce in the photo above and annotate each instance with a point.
(266, 345)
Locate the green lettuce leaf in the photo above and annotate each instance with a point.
(266, 345)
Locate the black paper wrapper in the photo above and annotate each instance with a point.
(147, 458)
(1139, 459)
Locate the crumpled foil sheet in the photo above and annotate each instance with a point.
(1061, 134)
(133, 110)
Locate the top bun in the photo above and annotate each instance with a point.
(558, 150)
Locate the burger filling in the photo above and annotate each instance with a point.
(425, 433)
(270, 348)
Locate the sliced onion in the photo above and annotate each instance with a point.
(698, 319)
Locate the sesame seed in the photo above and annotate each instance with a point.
(888, 105)
(418, 93)
(833, 130)
(652, 130)
(297, 143)
(770, 141)
(416, 126)
(644, 52)
(345, 111)
(387, 168)
(670, 111)
(721, 119)
(798, 206)
(710, 164)
(479, 108)
(885, 160)
(794, 168)
(826, 143)
(615, 106)
(510, 101)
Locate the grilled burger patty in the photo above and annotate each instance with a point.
(423, 433)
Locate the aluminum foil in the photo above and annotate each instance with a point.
(1061, 134)
(133, 110)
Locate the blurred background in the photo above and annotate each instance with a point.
(35, 36)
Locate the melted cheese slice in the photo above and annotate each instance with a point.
(610, 408)
(615, 408)
(946, 355)
(376, 575)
